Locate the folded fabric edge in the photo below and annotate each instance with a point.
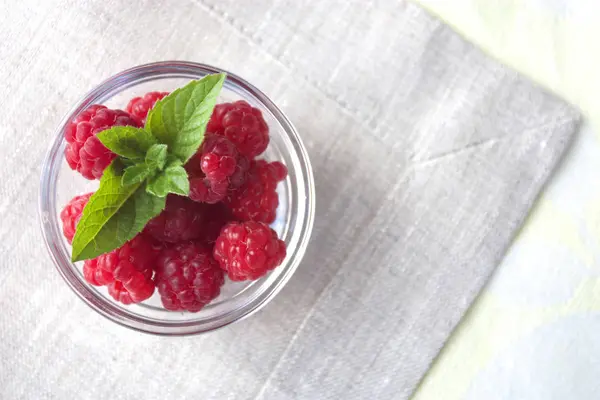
(569, 123)
(549, 80)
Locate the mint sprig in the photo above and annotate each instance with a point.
(127, 141)
(135, 174)
(149, 166)
(156, 157)
(179, 120)
(173, 179)
(113, 215)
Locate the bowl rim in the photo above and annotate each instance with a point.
(47, 216)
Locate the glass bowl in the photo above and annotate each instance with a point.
(293, 224)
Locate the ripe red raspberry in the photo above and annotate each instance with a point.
(248, 250)
(95, 275)
(187, 277)
(217, 216)
(215, 168)
(203, 190)
(118, 292)
(85, 153)
(128, 269)
(217, 157)
(139, 106)
(71, 214)
(182, 219)
(277, 169)
(257, 199)
(241, 173)
(243, 124)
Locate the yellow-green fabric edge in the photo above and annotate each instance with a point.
(552, 47)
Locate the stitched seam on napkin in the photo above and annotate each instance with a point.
(355, 113)
(448, 155)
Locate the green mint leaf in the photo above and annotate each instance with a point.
(178, 178)
(127, 141)
(179, 119)
(113, 215)
(135, 174)
(173, 179)
(156, 157)
(173, 161)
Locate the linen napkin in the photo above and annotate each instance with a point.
(427, 155)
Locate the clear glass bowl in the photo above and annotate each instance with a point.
(294, 221)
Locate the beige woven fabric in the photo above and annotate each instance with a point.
(427, 156)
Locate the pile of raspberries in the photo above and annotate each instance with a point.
(221, 229)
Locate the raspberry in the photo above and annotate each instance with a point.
(243, 124)
(135, 291)
(139, 106)
(85, 153)
(95, 275)
(118, 292)
(127, 270)
(218, 157)
(187, 277)
(71, 214)
(248, 250)
(257, 199)
(217, 216)
(204, 190)
(182, 219)
(241, 172)
(215, 168)
(278, 170)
